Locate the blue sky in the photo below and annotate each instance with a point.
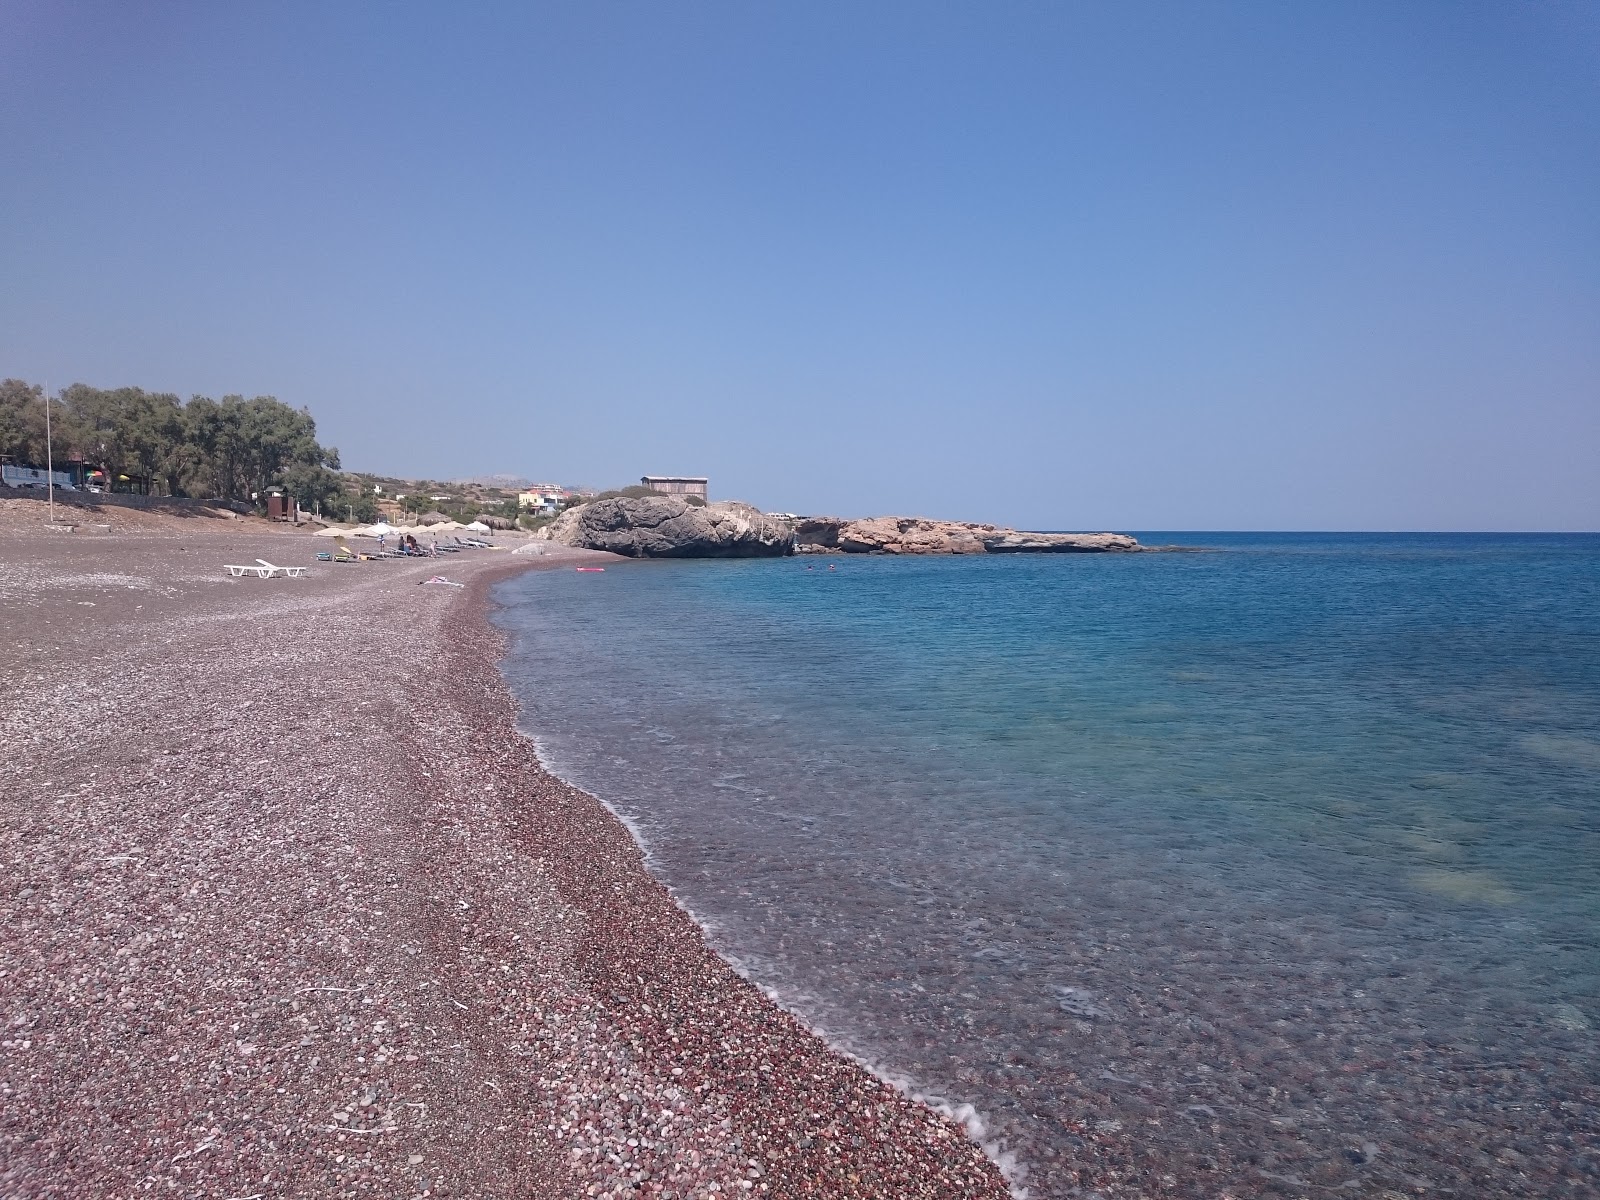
(1062, 266)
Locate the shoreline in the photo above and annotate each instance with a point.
(292, 908)
(962, 1114)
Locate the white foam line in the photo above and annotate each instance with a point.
(1010, 1166)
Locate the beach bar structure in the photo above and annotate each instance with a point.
(676, 485)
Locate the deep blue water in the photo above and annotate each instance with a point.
(1268, 869)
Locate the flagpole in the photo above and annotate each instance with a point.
(49, 456)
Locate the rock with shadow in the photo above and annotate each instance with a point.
(668, 527)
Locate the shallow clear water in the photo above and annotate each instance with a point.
(1272, 869)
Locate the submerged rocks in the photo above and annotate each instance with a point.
(920, 535)
(1009, 541)
(669, 527)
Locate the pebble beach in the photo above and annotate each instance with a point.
(291, 909)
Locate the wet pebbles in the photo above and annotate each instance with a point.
(290, 910)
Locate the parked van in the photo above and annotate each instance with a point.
(34, 477)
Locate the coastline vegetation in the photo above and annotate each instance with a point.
(232, 449)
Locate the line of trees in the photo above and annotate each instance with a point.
(228, 449)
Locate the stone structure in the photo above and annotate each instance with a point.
(677, 485)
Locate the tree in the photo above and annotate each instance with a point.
(316, 488)
(22, 421)
(230, 449)
(246, 446)
(99, 435)
(358, 507)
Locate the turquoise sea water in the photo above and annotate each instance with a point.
(1265, 870)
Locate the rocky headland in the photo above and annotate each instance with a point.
(920, 535)
(669, 527)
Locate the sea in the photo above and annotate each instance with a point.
(1267, 867)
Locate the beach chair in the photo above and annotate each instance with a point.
(291, 572)
(239, 572)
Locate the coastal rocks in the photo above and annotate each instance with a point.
(669, 527)
(920, 535)
(1009, 541)
(911, 535)
(817, 535)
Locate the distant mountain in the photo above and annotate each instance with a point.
(508, 483)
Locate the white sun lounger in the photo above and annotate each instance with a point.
(269, 570)
(240, 572)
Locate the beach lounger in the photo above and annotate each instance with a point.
(239, 572)
(342, 553)
(291, 572)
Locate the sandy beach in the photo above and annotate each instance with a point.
(290, 909)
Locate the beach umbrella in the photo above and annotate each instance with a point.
(477, 527)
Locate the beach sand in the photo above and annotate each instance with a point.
(290, 909)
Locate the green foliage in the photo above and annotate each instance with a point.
(228, 449)
(636, 491)
(22, 421)
(318, 489)
(359, 507)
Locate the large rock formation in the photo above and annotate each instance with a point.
(668, 527)
(918, 535)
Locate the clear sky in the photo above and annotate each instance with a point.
(1188, 265)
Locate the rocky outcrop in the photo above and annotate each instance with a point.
(919, 535)
(668, 527)
(1009, 541)
(911, 535)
